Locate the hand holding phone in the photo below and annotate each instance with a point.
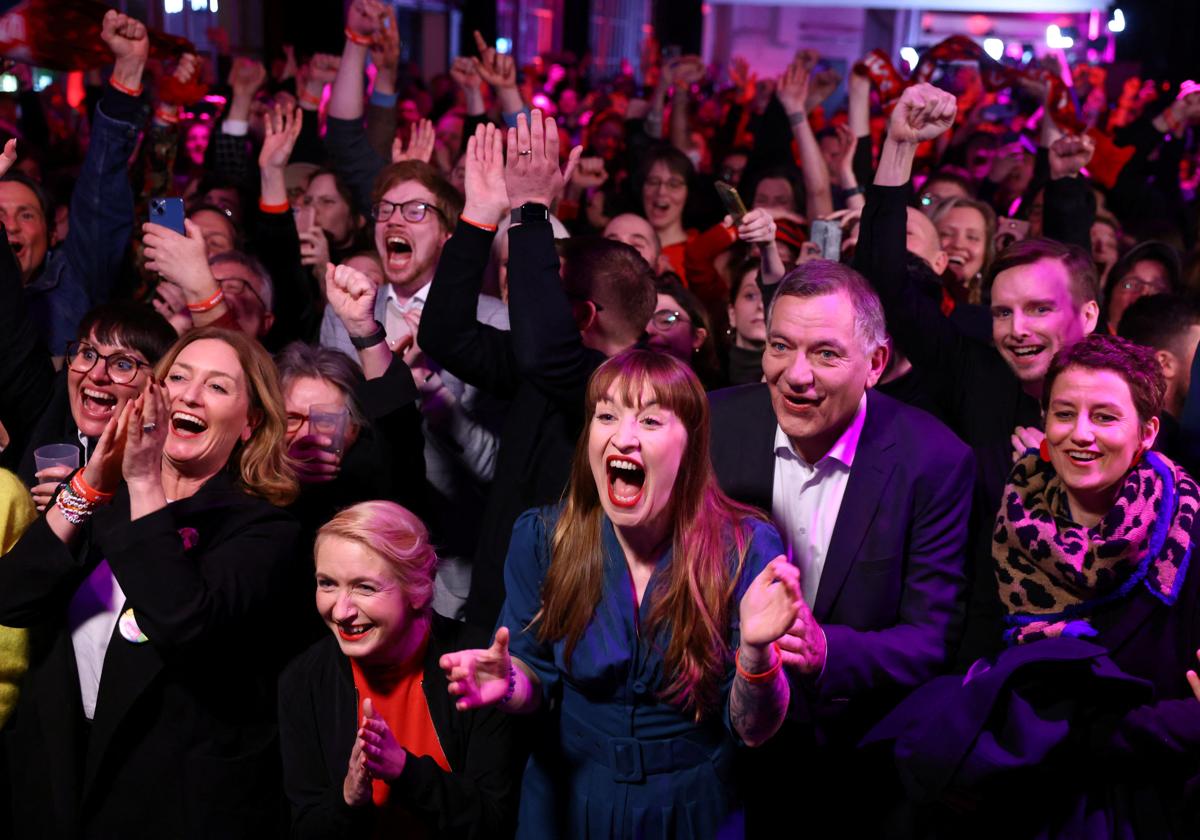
(169, 213)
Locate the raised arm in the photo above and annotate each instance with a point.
(792, 93)
(546, 341)
(500, 71)
(450, 332)
(1070, 205)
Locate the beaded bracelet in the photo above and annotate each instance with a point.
(765, 676)
(512, 685)
(73, 507)
(208, 305)
(354, 38)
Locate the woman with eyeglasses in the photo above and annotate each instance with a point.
(151, 588)
(679, 327)
(1150, 268)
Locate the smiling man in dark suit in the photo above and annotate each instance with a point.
(872, 498)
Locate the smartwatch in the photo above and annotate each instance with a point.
(530, 212)
(377, 337)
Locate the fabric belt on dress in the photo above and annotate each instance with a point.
(632, 759)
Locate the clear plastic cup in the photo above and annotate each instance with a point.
(329, 420)
(56, 455)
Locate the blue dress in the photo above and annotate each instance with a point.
(613, 759)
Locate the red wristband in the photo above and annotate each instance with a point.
(307, 98)
(168, 114)
(282, 207)
(128, 91)
(765, 676)
(208, 305)
(480, 225)
(90, 494)
(354, 38)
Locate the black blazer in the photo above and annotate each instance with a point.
(183, 742)
(890, 603)
(318, 720)
(891, 593)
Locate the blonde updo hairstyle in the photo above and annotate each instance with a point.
(398, 536)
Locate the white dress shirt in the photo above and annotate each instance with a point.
(92, 617)
(806, 499)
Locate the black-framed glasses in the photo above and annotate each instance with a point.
(664, 319)
(236, 286)
(412, 211)
(122, 368)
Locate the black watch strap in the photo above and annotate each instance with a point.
(530, 211)
(377, 337)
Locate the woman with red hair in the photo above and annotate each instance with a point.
(641, 615)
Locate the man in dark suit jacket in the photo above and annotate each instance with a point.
(872, 497)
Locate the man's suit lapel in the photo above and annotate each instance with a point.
(873, 465)
(756, 452)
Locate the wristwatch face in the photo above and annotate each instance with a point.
(530, 212)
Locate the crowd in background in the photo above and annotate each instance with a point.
(662, 450)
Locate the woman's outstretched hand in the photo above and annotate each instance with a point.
(479, 677)
(771, 604)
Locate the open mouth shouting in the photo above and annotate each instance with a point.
(399, 252)
(626, 480)
(184, 424)
(97, 404)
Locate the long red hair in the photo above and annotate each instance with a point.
(691, 599)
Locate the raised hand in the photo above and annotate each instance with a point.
(187, 68)
(313, 461)
(146, 435)
(771, 603)
(590, 173)
(922, 113)
(464, 73)
(420, 144)
(9, 157)
(356, 788)
(322, 69)
(385, 757)
(351, 295)
(688, 70)
(821, 85)
(495, 68)
(484, 188)
(126, 36)
(182, 260)
(103, 469)
(792, 89)
(314, 249)
(531, 172)
(281, 130)
(1194, 680)
(479, 677)
(757, 226)
(385, 49)
(1069, 154)
(364, 17)
(246, 77)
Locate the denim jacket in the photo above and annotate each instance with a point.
(80, 272)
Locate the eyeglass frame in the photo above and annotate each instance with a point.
(675, 183)
(401, 205)
(248, 285)
(675, 316)
(1129, 284)
(80, 343)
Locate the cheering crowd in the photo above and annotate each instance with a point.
(665, 456)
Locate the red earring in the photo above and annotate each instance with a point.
(1044, 450)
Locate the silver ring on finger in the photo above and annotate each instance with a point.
(149, 428)
(525, 152)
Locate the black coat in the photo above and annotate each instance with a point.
(541, 363)
(318, 719)
(183, 742)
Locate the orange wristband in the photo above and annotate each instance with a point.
(354, 38)
(307, 98)
(128, 91)
(90, 494)
(282, 207)
(480, 225)
(765, 676)
(208, 305)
